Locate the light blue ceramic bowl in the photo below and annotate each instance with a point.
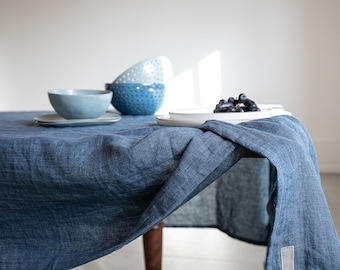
(137, 98)
(80, 103)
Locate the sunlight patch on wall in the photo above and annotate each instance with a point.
(199, 86)
(180, 94)
(209, 77)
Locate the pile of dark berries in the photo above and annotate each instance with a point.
(242, 104)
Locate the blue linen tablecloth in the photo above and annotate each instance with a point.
(235, 203)
(70, 195)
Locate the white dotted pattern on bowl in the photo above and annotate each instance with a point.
(153, 70)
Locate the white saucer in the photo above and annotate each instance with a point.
(55, 120)
(197, 116)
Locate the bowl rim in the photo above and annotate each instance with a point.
(79, 92)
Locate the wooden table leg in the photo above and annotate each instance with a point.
(152, 242)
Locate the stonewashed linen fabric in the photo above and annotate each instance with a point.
(241, 214)
(71, 195)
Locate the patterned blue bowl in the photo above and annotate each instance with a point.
(137, 98)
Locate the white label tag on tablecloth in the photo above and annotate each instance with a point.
(287, 258)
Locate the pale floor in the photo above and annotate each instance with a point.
(204, 249)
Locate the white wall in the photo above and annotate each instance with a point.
(282, 51)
